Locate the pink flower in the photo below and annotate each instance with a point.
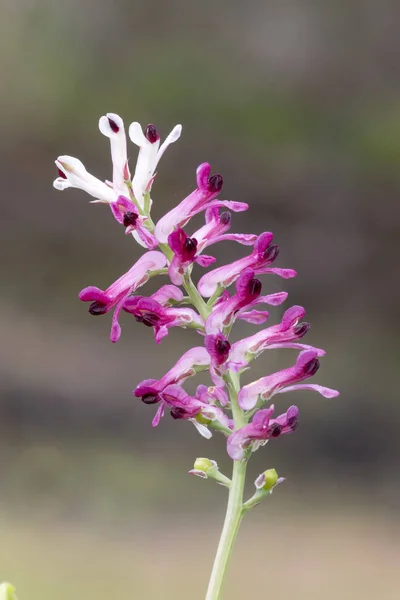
(185, 253)
(306, 366)
(218, 348)
(261, 429)
(263, 255)
(187, 250)
(230, 308)
(102, 301)
(208, 188)
(193, 361)
(212, 395)
(126, 213)
(155, 311)
(283, 335)
(188, 407)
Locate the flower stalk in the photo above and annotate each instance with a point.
(233, 517)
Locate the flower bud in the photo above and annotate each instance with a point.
(203, 467)
(208, 469)
(203, 464)
(7, 591)
(267, 480)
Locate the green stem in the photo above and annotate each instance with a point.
(234, 511)
(233, 518)
(195, 297)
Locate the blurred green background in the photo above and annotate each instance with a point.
(297, 103)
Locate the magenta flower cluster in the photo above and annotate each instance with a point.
(210, 308)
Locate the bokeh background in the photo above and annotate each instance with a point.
(297, 103)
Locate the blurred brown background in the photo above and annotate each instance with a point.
(298, 105)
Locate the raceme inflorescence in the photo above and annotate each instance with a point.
(242, 413)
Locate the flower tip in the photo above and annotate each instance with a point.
(110, 124)
(175, 134)
(215, 183)
(151, 134)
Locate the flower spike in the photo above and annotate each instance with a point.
(241, 413)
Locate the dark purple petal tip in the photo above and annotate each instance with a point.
(311, 367)
(225, 218)
(254, 287)
(113, 125)
(271, 252)
(301, 329)
(222, 347)
(151, 134)
(276, 430)
(190, 245)
(215, 183)
(130, 218)
(150, 398)
(98, 308)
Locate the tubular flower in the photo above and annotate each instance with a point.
(72, 173)
(187, 250)
(283, 335)
(193, 361)
(215, 228)
(306, 366)
(248, 290)
(126, 213)
(149, 156)
(155, 311)
(102, 301)
(218, 348)
(183, 406)
(208, 188)
(263, 255)
(261, 429)
(212, 395)
(185, 253)
(112, 126)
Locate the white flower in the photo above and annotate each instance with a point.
(72, 173)
(112, 126)
(150, 153)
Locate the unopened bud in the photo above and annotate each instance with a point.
(267, 480)
(208, 469)
(204, 467)
(203, 464)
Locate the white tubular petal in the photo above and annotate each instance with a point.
(112, 126)
(77, 177)
(170, 139)
(70, 164)
(144, 170)
(136, 134)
